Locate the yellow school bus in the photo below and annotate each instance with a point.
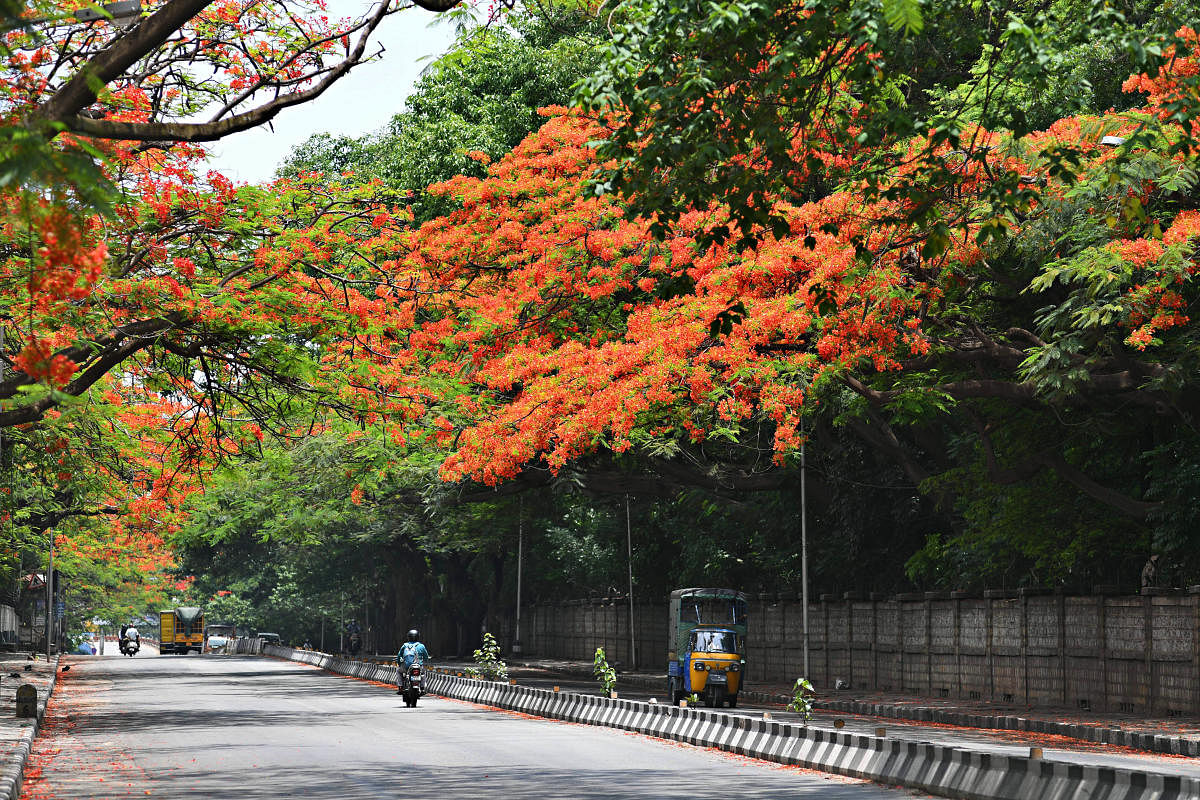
(180, 630)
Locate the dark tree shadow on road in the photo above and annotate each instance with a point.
(498, 781)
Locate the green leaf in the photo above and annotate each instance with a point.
(904, 15)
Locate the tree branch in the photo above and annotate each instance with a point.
(219, 128)
(437, 6)
(114, 347)
(107, 65)
(879, 434)
(1138, 509)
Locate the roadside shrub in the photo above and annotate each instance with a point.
(487, 661)
(802, 699)
(603, 672)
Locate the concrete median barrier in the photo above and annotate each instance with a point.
(938, 769)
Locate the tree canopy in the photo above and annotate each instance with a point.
(574, 271)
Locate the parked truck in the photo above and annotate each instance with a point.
(181, 630)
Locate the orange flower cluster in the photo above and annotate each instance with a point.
(38, 360)
(559, 327)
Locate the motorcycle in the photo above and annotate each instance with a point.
(129, 647)
(412, 689)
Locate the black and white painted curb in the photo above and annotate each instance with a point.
(1149, 742)
(13, 770)
(947, 771)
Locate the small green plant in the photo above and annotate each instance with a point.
(487, 661)
(693, 699)
(802, 699)
(603, 672)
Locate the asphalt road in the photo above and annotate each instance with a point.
(244, 727)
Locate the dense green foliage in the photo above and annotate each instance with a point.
(808, 94)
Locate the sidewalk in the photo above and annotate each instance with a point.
(1175, 735)
(16, 735)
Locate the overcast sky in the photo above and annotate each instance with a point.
(360, 102)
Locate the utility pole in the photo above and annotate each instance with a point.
(629, 557)
(341, 622)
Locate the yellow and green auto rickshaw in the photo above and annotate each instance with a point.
(708, 641)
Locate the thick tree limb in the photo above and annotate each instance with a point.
(1124, 384)
(879, 434)
(219, 128)
(1004, 475)
(437, 6)
(112, 62)
(1138, 509)
(659, 478)
(52, 518)
(100, 355)
(68, 106)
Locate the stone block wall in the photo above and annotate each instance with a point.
(1137, 654)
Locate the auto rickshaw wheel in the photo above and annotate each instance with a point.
(732, 701)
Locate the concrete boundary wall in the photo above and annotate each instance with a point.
(946, 771)
(1136, 654)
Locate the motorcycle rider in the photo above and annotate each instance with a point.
(129, 634)
(411, 652)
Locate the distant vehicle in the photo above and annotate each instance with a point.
(708, 645)
(181, 630)
(269, 638)
(217, 637)
(216, 644)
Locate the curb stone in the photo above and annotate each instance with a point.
(13, 771)
(939, 769)
(1137, 740)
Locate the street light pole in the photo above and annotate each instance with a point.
(804, 545)
(520, 557)
(629, 556)
(49, 593)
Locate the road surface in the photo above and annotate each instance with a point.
(245, 727)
